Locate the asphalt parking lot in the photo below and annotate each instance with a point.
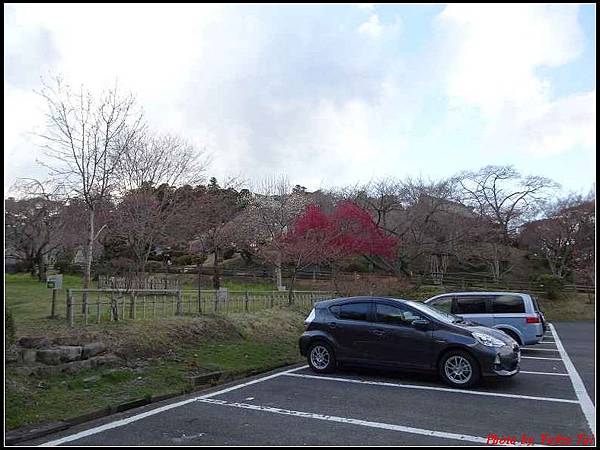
(549, 399)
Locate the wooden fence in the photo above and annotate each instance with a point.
(84, 306)
(487, 283)
(148, 282)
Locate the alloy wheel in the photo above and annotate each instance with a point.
(458, 369)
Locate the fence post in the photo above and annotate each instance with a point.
(272, 299)
(70, 308)
(179, 303)
(246, 301)
(132, 306)
(53, 310)
(216, 301)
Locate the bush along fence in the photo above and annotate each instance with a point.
(84, 306)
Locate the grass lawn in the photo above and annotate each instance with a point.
(570, 307)
(159, 356)
(32, 400)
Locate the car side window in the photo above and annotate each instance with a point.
(394, 315)
(443, 304)
(352, 311)
(508, 304)
(470, 304)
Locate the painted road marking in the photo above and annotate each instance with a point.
(538, 357)
(128, 420)
(545, 373)
(431, 388)
(589, 411)
(539, 349)
(346, 420)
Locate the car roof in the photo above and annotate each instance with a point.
(357, 299)
(477, 293)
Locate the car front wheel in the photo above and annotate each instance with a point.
(459, 369)
(321, 358)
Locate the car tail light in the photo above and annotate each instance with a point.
(535, 319)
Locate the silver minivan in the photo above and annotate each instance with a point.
(517, 314)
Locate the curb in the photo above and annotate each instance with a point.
(30, 432)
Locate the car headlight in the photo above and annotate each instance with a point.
(488, 341)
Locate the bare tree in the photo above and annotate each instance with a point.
(504, 200)
(152, 176)
(418, 212)
(504, 196)
(154, 159)
(86, 138)
(208, 225)
(277, 206)
(564, 236)
(33, 225)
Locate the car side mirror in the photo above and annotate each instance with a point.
(421, 324)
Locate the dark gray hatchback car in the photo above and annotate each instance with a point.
(393, 333)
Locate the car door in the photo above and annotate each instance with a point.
(474, 308)
(398, 342)
(351, 330)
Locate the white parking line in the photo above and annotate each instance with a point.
(128, 420)
(540, 349)
(545, 373)
(539, 357)
(431, 388)
(346, 420)
(588, 408)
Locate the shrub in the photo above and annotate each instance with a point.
(552, 285)
(186, 260)
(67, 268)
(154, 266)
(355, 266)
(229, 253)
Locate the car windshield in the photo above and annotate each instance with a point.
(436, 313)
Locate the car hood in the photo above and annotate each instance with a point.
(486, 330)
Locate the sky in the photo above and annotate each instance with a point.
(328, 95)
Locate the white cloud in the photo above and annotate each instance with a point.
(493, 55)
(321, 92)
(371, 27)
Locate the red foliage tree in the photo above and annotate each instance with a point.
(318, 238)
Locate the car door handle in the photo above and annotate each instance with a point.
(378, 332)
(331, 324)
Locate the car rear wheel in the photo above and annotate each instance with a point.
(459, 369)
(321, 358)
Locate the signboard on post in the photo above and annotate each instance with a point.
(54, 281)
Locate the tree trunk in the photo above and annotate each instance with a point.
(291, 288)
(216, 274)
(88, 259)
(278, 276)
(39, 261)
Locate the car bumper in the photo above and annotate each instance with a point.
(501, 362)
